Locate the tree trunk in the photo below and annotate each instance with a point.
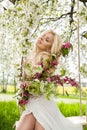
(3, 83)
(14, 85)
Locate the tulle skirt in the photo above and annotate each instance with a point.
(48, 115)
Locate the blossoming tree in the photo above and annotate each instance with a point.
(21, 21)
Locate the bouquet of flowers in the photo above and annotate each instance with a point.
(41, 81)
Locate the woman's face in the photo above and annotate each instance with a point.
(45, 41)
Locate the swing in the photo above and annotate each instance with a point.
(79, 119)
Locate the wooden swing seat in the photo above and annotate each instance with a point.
(78, 119)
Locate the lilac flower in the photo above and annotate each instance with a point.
(23, 102)
(67, 45)
(73, 83)
(53, 78)
(23, 85)
(70, 81)
(48, 79)
(25, 94)
(40, 63)
(57, 77)
(66, 80)
(37, 76)
(55, 62)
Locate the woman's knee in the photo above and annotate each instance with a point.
(17, 128)
(38, 126)
(27, 123)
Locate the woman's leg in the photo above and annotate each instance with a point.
(27, 123)
(38, 126)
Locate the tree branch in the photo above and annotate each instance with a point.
(84, 2)
(13, 1)
(35, 29)
(57, 18)
(71, 11)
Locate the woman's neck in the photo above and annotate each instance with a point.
(38, 51)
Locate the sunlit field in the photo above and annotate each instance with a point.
(9, 89)
(72, 91)
(66, 90)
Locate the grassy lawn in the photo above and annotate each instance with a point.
(85, 128)
(9, 113)
(72, 97)
(72, 109)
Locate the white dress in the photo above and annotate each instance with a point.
(48, 115)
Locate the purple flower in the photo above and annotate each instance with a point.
(67, 45)
(57, 77)
(23, 85)
(40, 63)
(48, 79)
(70, 81)
(23, 102)
(37, 76)
(73, 83)
(66, 80)
(55, 62)
(53, 78)
(25, 94)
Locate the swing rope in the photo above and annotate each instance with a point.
(23, 57)
(78, 41)
(78, 37)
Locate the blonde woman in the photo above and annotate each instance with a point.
(41, 113)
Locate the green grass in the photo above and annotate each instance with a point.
(9, 113)
(72, 109)
(85, 127)
(72, 97)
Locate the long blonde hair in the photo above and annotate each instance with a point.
(57, 43)
(55, 48)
